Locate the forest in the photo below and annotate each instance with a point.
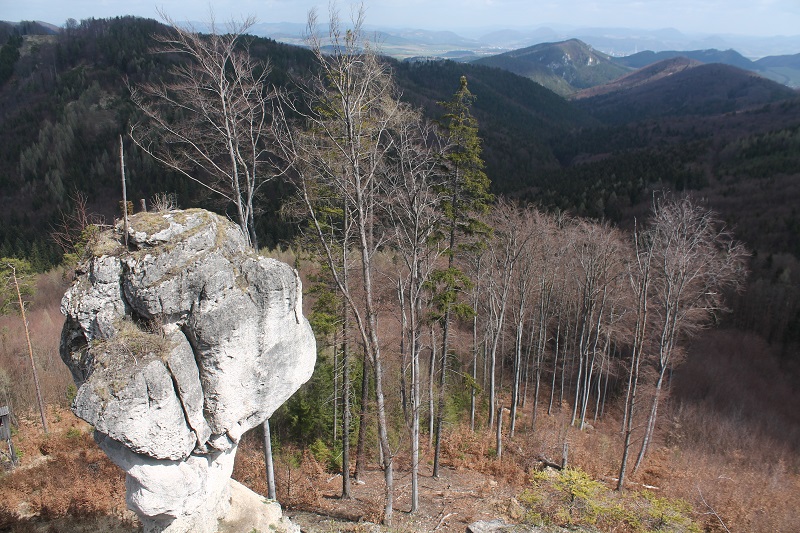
(498, 280)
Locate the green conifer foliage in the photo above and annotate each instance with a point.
(467, 197)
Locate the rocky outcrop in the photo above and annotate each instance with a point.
(180, 343)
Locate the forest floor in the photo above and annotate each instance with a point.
(456, 499)
(735, 468)
(64, 483)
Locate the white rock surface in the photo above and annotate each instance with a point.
(250, 511)
(179, 345)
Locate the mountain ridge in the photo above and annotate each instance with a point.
(564, 67)
(642, 76)
(679, 87)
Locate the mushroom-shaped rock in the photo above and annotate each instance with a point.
(179, 344)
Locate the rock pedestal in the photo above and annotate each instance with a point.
(179, 344)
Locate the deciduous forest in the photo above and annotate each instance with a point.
(586, 316)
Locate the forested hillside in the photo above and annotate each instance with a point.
(711, 129)
(63, 112)
(564, 67)
(709, 89)
(474, 249)
(67, 103)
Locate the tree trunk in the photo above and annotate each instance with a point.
(633, 385)
(346, 410)
(38, 387)
(431, 379)
(517, 377)
(416, 404)
(651, 421)
(441, 398)
(555, 368)
(499, 436)
(536, 387)
(629, 409)
(388, 470)
(474, 384)
(270, 468)
(361, 460)
(124, 192)
(401, 300)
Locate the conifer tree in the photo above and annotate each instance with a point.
(466, 197)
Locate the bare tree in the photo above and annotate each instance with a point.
(510, 240)
(640, 277)
(543, 264)
(524, 220)
(75, 229)
(16, 281)
(598, 268)
(339, 156)
(414, 180)
(212, 120)
(696, 261)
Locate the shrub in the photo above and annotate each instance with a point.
(572, 498)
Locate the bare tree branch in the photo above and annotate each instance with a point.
(213, 120)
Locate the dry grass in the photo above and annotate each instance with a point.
(297, 473)
(45, 319)
(728, 441)
(63, 475)
(734, 438)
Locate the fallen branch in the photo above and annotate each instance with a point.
(650, 487)
(711, 510)
(547, 462)
(445, 517)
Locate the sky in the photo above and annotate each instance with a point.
(742, 17)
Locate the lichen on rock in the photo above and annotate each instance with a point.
(179, 344)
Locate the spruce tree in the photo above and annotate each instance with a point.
(467, 197)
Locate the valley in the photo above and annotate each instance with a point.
(582, 149)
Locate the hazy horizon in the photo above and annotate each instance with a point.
(760, 18)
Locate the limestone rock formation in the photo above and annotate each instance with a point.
(179, 344)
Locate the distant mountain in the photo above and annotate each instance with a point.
(518, 119)
(702, 90)
(790, 61)
(627, 41)
(784, 69)
(565, 67)
(726, 57)
(641, 77)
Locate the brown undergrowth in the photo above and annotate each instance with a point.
(730, 451)
(16, 378)
(64, 481)
(731, 438)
